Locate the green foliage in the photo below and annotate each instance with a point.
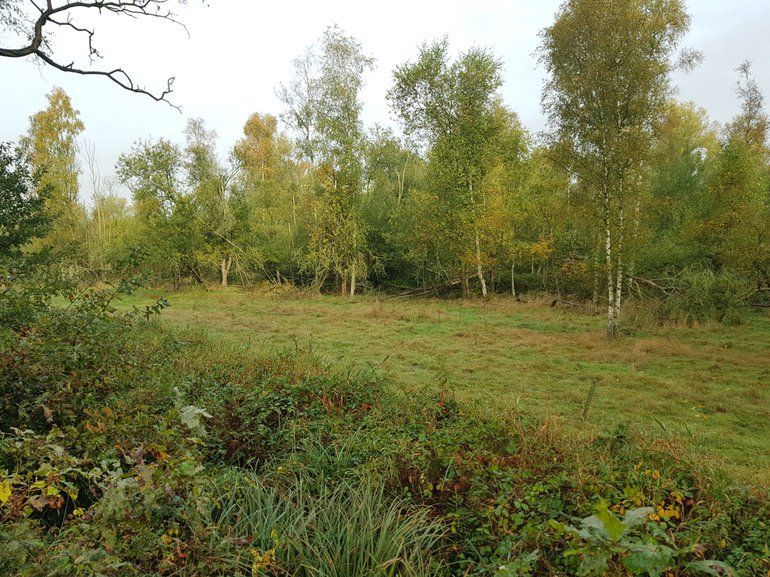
(127, 448)
(603, 120)
(51, 149)
(169, 231)
(22, 215)
(632, 185)
(606, 539)
(704, 295)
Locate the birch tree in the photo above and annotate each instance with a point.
(209, 181)
(271, 197)
(740, 188)
(51, 148)
(609, 65)
(451, 107)
(323, 105)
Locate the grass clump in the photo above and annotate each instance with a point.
(350, 530)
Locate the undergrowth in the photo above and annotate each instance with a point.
(128, 448)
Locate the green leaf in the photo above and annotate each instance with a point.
(614, 527)
(595, 563)
(191, 417)
(708, 567)
(648, 559)
(636, 517)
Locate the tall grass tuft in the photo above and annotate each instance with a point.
(351, 530)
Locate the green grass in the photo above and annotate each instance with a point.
(708, 386)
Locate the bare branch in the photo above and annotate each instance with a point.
(63, 16)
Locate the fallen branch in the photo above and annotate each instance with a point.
(558, 302)
(653, 284)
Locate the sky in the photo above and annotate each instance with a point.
(239, 51)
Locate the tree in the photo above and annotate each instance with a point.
(51, 148)
(22, 216)
(453, 108)
(682, 156)
(392, 173)
(752, 125)
(740, 188)
(110, 226)
(169, 231)
(609, 64)
(323, 105)
(504, 190)
(269, 197)
(35, 27)
(302, 100)
(258, 150)
(210, 183)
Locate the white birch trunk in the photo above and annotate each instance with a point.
(619, 271)
(479, 269)
(612, 328)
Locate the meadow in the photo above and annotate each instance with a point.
(702, 388)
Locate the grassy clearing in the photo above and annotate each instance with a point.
(707, 385)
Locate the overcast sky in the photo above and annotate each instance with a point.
(239, 51)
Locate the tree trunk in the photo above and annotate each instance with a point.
(612, 317)
(479, 270)
(619, 270)
(634, 239)
(513, 278)
(353, 279)
(344, 285)
(224, 269)
(401, 178)
(464, 281)
(196, 274)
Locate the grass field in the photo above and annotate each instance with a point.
(709, 386)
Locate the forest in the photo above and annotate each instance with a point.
(446, 345)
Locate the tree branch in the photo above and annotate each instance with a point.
(62, 16)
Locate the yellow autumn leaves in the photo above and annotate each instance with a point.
(5, 492)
